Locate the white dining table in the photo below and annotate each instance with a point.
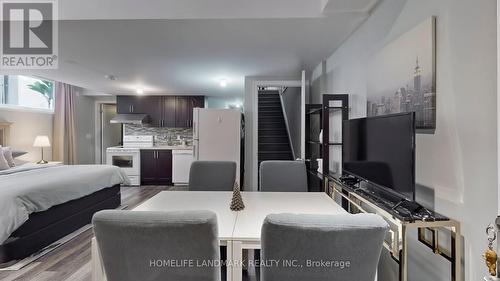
(237, 230)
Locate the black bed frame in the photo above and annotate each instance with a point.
(44, 228)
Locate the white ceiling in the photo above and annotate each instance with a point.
(188, 9)
(346, 6)
(201, 45)
(205, 9)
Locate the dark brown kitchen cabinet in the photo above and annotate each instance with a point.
(148, 167)
(184, 110)
(135, 104)
(124, 104)
(163, 111)
(156, 167)
(169, 111)
(196, 102)
(154, 110)
(164, 167)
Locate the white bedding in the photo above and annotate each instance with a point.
(34, 188)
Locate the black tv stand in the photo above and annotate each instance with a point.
(349, 180)
(400, 207)
(410, 206)
(416, 212)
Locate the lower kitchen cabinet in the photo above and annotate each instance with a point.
(156, 167)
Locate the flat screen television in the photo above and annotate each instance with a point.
(381, 151)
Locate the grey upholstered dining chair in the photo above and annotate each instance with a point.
(283, 176)
(138, 245)
(351, 243)
(212, 176)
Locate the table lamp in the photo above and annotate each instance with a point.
(42, 141)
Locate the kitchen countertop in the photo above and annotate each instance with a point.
(166, 147)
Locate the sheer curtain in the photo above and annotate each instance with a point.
(64, 139)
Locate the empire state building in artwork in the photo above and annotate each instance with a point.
(419, 98)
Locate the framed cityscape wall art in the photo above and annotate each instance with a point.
(402, 77)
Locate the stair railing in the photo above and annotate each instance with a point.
(285, 116)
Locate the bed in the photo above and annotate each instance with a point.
(39, 204)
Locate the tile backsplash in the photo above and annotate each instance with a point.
(163, 136)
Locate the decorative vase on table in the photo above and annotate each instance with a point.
(237, 201)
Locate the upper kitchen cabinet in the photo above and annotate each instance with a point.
(137, 104)
(184, 110)
(155, 110)
(169, 107)
(124, 104)
(196, 102)
(164, 111)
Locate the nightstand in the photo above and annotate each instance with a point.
(51, 163)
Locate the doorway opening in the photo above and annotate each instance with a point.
(110, 134)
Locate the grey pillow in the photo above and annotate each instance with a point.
(4, 165)
(18, 153)
(7, 153)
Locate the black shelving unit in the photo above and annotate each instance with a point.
(339, 102)
(314, 149)
(317, 119)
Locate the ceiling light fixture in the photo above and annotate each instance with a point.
(140, 91)
(110, 77)
(223, 83)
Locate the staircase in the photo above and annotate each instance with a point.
(274, 143)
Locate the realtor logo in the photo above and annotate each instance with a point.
(29, 34)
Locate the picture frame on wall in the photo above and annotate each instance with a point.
(402, 77)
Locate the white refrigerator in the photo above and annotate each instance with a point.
(217, 136)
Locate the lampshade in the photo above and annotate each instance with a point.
(41, 141)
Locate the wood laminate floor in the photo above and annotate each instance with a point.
(71, 261)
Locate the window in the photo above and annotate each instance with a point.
(27, 92)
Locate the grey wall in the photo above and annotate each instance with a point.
(26, 125)
(291, 103)
(458, 163)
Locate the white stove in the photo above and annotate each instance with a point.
(128, 156)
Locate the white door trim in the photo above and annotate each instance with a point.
(255, 104)
(97, 128)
